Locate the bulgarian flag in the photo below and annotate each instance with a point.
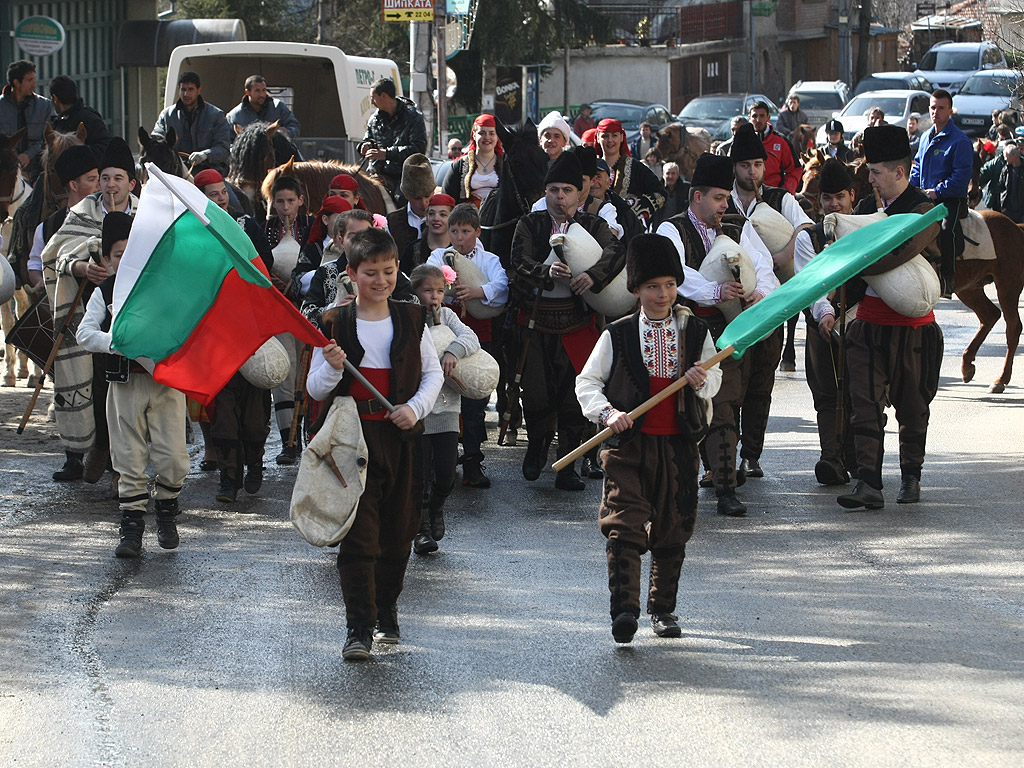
(192, 298)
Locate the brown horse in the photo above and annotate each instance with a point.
(316, 176)
(812, 161)
(802, 138)
(1006, 271)
(683, 147)
(260, 153)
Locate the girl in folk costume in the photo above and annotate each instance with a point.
(631, 179)
(649, 501)
(476, 174)
(441, 426)
(319, 245)
(464, 230)
(435, 233)
(285, 231)
(346, 186)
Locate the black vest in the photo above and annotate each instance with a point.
(116, 366)
(630, 384)
(693, 244)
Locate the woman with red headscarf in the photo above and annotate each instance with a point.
(631, 179)
(476, 174)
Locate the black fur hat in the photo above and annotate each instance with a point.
(588, 159)
(834, 177)
(712, 171)
(746, 145)
(651, 256)
(118, 155)
(566, 169)
(884, 143)
(116, 226)
(73, 162)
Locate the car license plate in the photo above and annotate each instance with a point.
(973, 120)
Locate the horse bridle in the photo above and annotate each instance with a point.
(13, 198)
(523, 205)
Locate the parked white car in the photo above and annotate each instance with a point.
(897, 106)
(819, 99)
(983, 92)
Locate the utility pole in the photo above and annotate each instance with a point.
(440, 14)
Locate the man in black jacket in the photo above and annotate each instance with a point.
(71, 110)
(395, 132)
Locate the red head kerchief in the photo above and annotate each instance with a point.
(487, 121)
(331, 204)
(441, 199)
(609, 125)
(209, 176)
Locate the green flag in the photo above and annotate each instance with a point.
(842, 260)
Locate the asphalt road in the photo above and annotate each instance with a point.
(811, 636)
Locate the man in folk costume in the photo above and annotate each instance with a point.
(79, 174)
(66, 262)
(891, 356)
(418, 184)
(554, 135)
(631, 179)
(564, 327)
(649, 501)
(477, 173)
(693, 233)
(748, 161)
(147, 419)
(822, 355)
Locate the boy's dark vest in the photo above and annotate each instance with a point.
(116, 366)
(408, 321)
(630, 384)
(401, 231)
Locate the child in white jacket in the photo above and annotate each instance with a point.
(441, 426)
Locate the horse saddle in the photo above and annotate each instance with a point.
(977, 237)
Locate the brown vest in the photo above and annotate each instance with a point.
(408, 321)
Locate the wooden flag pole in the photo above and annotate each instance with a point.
(640, 410)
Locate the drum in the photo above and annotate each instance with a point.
(33, 333)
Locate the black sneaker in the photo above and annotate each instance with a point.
(72, 470)
(666, 625)
(357, 645)
(387, 630)
(288, 455)
(131, 537)
(253, 478)
(624, 626)
(473, 474)
(166, 527)
(228, 491)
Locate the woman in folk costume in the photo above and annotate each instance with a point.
(631, 179)
(435, 233)
(477, 173)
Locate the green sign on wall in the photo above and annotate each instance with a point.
(39, 35)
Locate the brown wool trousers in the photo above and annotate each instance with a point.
(903, 362)
(649, 502)
(373, 555)
(757, 401)
(821, 359)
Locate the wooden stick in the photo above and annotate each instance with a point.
(57, 343)
(300, 391)
(329, 460)
(640, 410)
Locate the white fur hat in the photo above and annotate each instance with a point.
(555, 120)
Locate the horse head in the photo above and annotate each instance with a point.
(253, 154)
(160, 151)
(526, 161)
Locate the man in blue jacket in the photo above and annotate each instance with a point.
(257, 104)
(942, 170)
(201, 128)
(20, 107)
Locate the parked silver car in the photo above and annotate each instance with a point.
(948, 64)
(897, 106)
(983, 92)
(820, 98)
